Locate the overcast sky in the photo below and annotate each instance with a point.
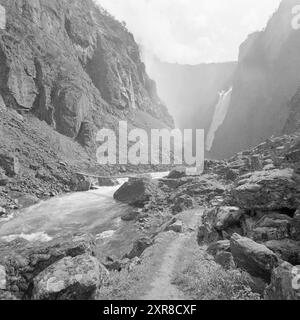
(192, 31)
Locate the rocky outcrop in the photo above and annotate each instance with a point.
(271, 190)
(255, 258)
(23, 262)
(76, 278)
(266, 79)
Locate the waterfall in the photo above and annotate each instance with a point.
(219, 117)
(2, 17)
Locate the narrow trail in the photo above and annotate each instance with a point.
(162, 287)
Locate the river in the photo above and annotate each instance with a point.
(94, 212)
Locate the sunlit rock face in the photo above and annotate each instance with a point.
(267, 77)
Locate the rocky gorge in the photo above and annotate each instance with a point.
(78, 231)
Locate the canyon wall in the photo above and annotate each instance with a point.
(75, 67)
(267, 77)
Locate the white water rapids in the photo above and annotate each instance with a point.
(219, 117)
(94, 212)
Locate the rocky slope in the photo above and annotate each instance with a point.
(266, 79)
(67, 69)
(191, 92)
(251, 217)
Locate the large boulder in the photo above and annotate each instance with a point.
(219, 223)
(71, 278)
(254, 258)
(137, 192)
(23, 260)
(267, 190)
(285, 283)
(227, 217)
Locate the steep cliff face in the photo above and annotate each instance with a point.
(191, 92)
(67, 69)
(75, 67)
(267, 77)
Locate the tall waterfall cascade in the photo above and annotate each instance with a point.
(2, 17)
(219, 117)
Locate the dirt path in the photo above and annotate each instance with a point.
(162, 287)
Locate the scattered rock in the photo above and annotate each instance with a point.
(267, 190)
(254, 258)
(26, 200)
(71, 278)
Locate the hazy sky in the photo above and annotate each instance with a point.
(192, 31)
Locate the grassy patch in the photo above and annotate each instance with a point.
(200, 278)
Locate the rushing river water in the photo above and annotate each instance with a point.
(94, 212)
